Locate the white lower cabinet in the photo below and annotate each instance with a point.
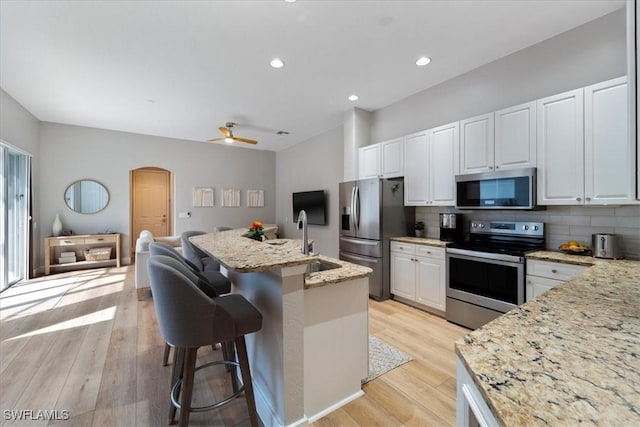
(418, 274)
(544, 275)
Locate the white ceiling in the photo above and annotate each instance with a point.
(182, 68)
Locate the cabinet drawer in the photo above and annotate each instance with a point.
(67, 242)
(430, 252)
(100, 239)
(405, 248)
(553, 270)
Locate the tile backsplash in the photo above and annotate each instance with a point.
(562, 223)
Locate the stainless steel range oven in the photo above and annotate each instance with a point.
(485, 275)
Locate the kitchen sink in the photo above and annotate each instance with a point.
(317, 266)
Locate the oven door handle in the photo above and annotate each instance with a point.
(486, 255)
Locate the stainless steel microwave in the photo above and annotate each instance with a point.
(509, 189)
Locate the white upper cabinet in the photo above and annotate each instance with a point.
(382, 160)
(392, 157)
(416, 178)
(585, 154)
(477, 144)
(515, 133)
(431, 163)
(444, 142)
(369, 164)
(609, 174)
(505, 139)
(561, 149)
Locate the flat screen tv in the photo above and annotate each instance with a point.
(312, 202)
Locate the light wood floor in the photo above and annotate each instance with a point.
(83, 343)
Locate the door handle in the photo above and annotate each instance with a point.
(357, 206)
(353, 208)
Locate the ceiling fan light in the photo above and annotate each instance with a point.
(228, 140)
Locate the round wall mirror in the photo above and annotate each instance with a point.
(86, 196)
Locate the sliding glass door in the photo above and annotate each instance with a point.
(14, 223)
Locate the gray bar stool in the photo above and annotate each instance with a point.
(212, 283)
(197, 256)
(189, 319)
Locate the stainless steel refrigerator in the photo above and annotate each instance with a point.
(372, 211)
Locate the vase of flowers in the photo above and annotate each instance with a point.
(256, 231)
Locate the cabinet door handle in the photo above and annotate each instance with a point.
(497, 167)
(588, 199)
(68, 241)
(554, 270)
(490, 167)
(100, 239)
(578, 198)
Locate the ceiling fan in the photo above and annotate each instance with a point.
(227, 131)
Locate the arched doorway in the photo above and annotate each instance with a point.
(151, 202)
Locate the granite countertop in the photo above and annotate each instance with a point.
(419, 241)
(245, 255)
(556, 256)
(346, 271)
(570, 356)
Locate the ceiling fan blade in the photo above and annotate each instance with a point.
(245, 140)
(214, 139)
(226, 132)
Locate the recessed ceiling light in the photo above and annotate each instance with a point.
(276, 63)
(353, 97)
(422, 61)
(290, 1)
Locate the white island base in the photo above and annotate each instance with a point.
(311, 354)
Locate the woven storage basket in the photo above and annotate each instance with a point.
(97, 254)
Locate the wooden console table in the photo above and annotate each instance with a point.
(55, 246)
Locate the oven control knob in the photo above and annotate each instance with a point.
(526, 227)
(535, 228)
(481, 225)
(474, 225)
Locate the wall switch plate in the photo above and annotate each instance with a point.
(184, 215)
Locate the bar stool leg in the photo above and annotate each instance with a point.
(165, 356)
(228, 351)
(176, 374)
(241, 347)
(187, 386)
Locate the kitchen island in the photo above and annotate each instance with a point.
(312, 352)
(568, 357)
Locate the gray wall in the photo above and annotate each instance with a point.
(593, 52)
(315, 164)
(73, 153)
(19, 128)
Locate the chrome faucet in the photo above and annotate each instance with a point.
(302, 224)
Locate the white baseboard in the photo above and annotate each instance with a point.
(315, 417)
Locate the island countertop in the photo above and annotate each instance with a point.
(245, 255)
(570, 356)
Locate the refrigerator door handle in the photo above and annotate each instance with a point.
(356, 204)
(352, 221)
